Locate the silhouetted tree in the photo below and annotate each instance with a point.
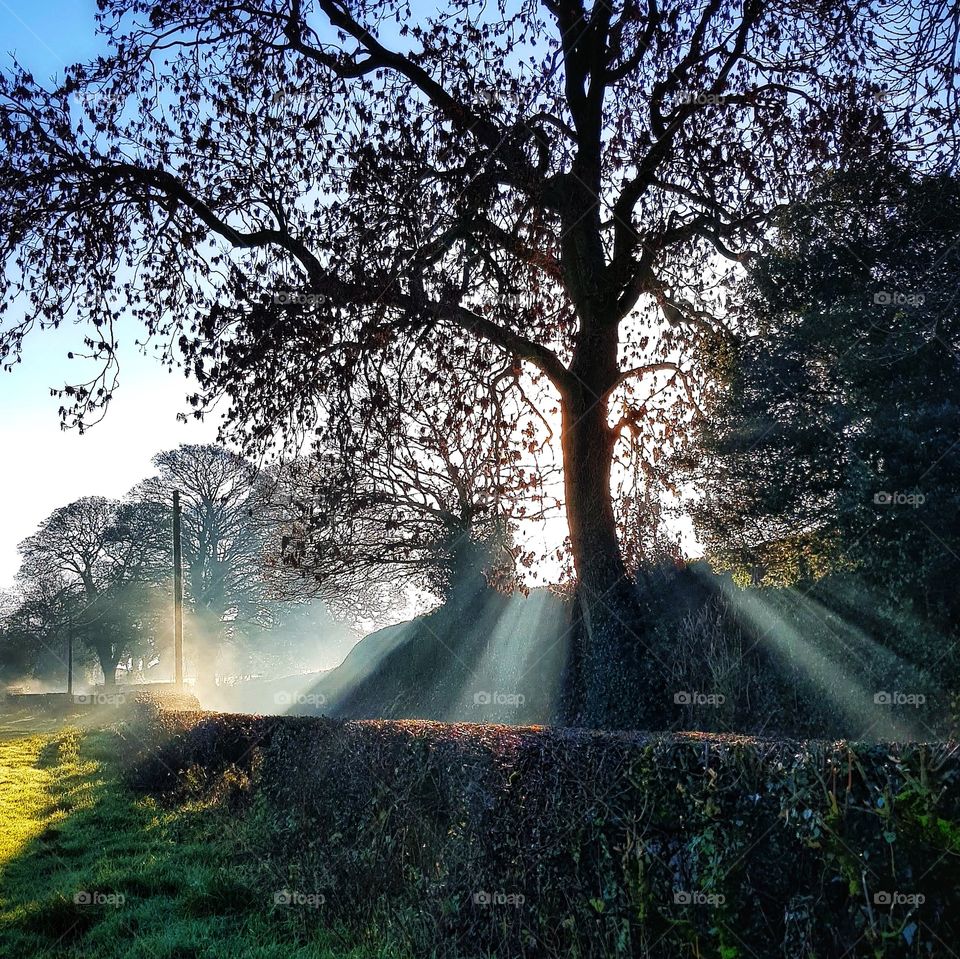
(112, 558)
(33, 633)
(429, 501)
(224, 529)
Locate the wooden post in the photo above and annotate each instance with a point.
(70, 655)
(177, 595)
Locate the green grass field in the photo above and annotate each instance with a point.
(88, 868)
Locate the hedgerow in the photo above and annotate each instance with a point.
(467, 840)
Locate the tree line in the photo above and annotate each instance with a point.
(277, 561)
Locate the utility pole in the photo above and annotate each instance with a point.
(177, 595)
(70, 655)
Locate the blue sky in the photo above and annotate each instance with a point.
(44, 467)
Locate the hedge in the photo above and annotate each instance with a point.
(475, 840)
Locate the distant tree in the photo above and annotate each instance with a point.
(301, 637)
(302, 194)
(8, 602)
(224, 528)
(425, 501)
(33, 634)
(830, 442)
(110, 559)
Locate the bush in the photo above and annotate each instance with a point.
(789, 663)
(463, 840)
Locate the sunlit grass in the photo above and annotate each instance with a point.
(180, 880)
(23, 795)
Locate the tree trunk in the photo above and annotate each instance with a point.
(588, 444)
(613, 680)
(108, 663)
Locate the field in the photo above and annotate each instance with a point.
(89, 869)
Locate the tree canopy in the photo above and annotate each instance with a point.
(830, 443)
(99, 561)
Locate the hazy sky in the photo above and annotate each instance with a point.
(41, 466)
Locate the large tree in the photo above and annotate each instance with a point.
(830, 443)
(34, 633)
(420, 500)
(305, 194)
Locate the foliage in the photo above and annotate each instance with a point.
(431, 504)
(227, 530)
(482, 840)
(103, 568)
(95, 566)
(325, 208)
(829, 444)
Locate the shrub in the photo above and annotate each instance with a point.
(464, 840)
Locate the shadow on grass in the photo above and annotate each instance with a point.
(111, 874)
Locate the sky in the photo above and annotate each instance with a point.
(43, 467)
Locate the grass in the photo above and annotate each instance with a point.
(24, 723)
(87, 868)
